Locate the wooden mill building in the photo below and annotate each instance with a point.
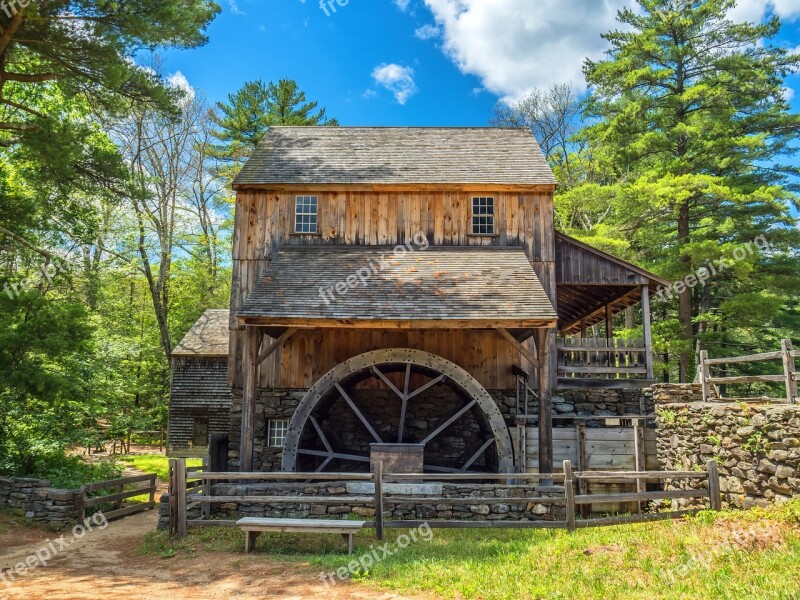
(401, 290)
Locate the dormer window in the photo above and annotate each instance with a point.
(483, 215)
(306, 210)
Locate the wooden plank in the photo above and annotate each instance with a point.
(128, 510)
(281, 499)
(569, 495)
(529, 356)
(602, 370)
(285, 476)
(599, 475)
(91, 487)
(180, 497)
(379, 499)
(713, 485)
(476, 524)
(639, 496)
(745, 359)
(647, 329)
(584, 348)
(789, 370)
(116, 498)
(275, 345)
(644, 518)
(747, 379)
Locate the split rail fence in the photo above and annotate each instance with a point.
(788, 378)
(195, 488)
(120, 507)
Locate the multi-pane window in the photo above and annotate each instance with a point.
(277, 432)
(483, 215)
(305, 214)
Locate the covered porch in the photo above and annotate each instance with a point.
(599, 297)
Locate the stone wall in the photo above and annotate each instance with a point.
(36, 500)
(440, 508)
(424, 413)
(756, 447)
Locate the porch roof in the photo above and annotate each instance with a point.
(374, 286)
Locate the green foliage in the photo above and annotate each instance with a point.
(667, 416)
(253, 109)
(757, 443)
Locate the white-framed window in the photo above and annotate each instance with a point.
(483, 215)
(276, 434)
(306, 210)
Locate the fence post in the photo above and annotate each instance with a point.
(569, 493)
(205, 508)
(180, 497)
(153, 491)
(640, 459)
(789, 370)
(713, 485)
(171, 488)
(705, 375)
(82, 503)
(378, 476)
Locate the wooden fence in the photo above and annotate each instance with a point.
(118, 499)
(186, 488)
(788, 378)
(587, 358)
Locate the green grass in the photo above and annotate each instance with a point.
(156, 463)
(688, 559)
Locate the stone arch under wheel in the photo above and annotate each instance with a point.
(377, 364)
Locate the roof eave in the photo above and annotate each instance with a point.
(401, 187)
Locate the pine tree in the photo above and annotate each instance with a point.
(691, 107)
(253, 109)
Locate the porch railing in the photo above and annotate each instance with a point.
(599, 358)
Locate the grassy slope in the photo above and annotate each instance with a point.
(697, 558)
(155, 463)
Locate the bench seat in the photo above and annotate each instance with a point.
(254, 526)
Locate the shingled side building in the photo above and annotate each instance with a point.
(200, 397)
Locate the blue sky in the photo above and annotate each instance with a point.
(416, 62)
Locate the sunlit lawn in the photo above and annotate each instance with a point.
(697, 558)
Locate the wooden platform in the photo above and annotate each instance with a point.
(253, 527)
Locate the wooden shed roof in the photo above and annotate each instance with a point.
(396, 156)
(207, 337)
(441, 287)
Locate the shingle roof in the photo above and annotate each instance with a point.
(396, 155)
(440, 283)
(207, 337)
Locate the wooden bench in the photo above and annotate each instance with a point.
(253, 527)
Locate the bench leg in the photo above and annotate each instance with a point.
(250, 541)
(349, 539)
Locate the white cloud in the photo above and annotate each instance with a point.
(514, 46)
(178, 81)
(427, 32)
(234, 6)
(402, 4)
(397, 79)
(788, 93)
(755, 10)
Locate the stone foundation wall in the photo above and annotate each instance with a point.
(425, 413)
(37, 501)
(756, 447)
(440, 508)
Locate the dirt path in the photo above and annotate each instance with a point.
(104, 564)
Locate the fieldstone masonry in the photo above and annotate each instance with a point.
(756, 446)
(37, 501)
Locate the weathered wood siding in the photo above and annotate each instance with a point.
(264, 222)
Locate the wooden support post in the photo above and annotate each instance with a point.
(180, 498)
(171, 489)
(582, 461)
(789, 370)
(583, 329)
(378, 477)
(705, 375)
(569, 493)
(713, 485)
(639, 459)
(647, 330)
(205, 508)
(249, 400)
(544, 352)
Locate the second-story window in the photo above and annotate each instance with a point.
(306, 214)
(483, 215)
